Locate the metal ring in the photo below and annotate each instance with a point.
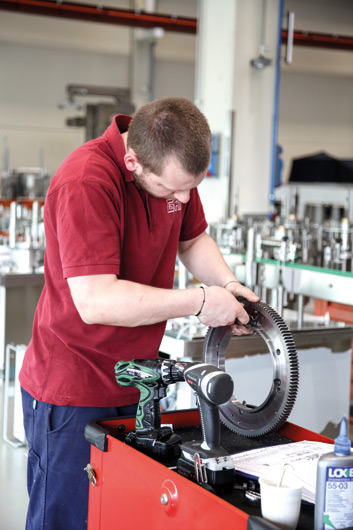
(249, 420)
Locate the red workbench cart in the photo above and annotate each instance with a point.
(134, 491)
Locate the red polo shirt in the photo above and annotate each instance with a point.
(97, 221)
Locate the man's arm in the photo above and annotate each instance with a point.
(105, 299)
(202, 257)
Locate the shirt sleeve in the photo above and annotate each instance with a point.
(194, 221)
(87, 225)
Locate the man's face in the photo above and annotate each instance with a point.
(174, 183)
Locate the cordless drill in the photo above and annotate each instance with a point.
(205, 462)
(151, 377)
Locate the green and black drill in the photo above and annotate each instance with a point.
(151, 377)
(206, 461)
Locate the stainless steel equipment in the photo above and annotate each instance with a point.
(19, 295)
(22, 246)
(318, 202)
(285, 260)
(29, 182)
(22, 239)
(23, 182)
(328, 245)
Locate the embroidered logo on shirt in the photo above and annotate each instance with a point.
(173, 205)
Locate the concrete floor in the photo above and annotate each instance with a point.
(13, 491)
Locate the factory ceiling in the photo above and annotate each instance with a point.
(143, 19)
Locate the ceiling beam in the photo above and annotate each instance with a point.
(99, 13)
(319, 40)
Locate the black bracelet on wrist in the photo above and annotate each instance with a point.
(203, 302)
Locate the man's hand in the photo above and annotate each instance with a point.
(221, 308)
(239, 290)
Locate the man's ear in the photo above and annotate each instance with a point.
(131, 161)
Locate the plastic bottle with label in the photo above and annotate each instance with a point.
(334, 485)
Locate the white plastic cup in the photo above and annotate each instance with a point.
(281, 504)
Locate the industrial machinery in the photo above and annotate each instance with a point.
(22, 239)
(310, 224)
(97, 115)
(319, 203)
(29, 182)
(22, 193)
(22, 182)
(285, 260)
(22, 247)
(328, 244)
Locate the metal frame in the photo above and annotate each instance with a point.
(9, 392)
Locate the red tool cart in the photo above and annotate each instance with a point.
(131, 490)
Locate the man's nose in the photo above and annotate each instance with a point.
(182, 196)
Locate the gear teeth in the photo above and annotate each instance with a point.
(214, 349)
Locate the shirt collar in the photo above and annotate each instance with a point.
(119, 125)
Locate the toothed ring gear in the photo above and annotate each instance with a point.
(250, 420)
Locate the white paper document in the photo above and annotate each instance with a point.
(299, 458)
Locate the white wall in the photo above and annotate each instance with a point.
(316, 90)
(33, 86)
(316, 114)
(175, 78)
(39, 56)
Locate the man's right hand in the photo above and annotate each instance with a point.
(221, 308)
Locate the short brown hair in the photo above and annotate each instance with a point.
(171, 127)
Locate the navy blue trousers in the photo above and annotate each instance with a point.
(57, 455)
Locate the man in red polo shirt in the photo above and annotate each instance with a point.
(118, 211)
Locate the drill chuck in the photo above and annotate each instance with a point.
(172, 371)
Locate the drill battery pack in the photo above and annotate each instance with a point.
(163, 444)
